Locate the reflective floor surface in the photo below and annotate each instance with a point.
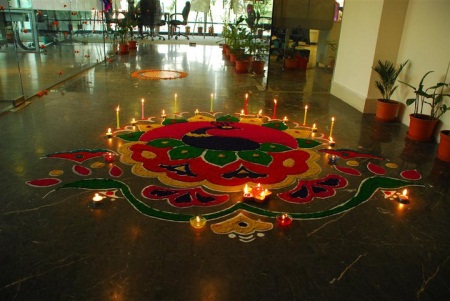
(56, 244)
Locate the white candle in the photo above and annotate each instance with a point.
(332, 125)
(117, 117)
(306, 112)
(211, 105)
(175, 104)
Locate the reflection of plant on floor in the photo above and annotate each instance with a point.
(332, 46)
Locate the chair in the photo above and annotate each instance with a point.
(175, 21)
(151, 16)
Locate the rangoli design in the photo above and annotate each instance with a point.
(206, 162)
(158, 74)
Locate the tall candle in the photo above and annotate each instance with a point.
(117, 117)
(175, 104)
(274, 109)
(246, 104)
(306, 112)
(332, 125)
(212, 100)
(142, 105)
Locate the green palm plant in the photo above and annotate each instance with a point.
(387, 73)
(428, 96)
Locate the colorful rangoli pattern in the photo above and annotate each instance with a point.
(204, 162)
(158, 74)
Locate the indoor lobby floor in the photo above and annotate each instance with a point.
(351, 240)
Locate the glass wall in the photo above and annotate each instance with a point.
(44, 42)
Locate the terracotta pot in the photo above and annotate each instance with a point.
(386, 110)
(290, 63)
(224, 48)
(421, 127)
(258, 67)
(123, 48)
(443, 152)
(132, 45)
(227, 52)
(302, 62)
(233, 58)
(242, 66)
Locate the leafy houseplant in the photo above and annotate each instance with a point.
(259, 51)
(432, 96)
(387, 74)
(237, 36)
(125, 26)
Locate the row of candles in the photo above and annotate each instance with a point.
(244, 112)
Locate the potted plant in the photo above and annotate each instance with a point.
(302, 57)
(387, 73)
(260, 52)
(124, 27)
(237, 36)
(421, 126)
(290, 62)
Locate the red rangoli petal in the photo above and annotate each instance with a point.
(411, 175)
(348, 170)
(115, 171)
(81, 170)
(376, 169)
(45, 182)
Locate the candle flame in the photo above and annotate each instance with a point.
(242, 112)
(142, 100)
(314, 126)
(163, 112)
(275, 101)
(245, 189)
(175, 95)
(197, 219)
(260, 112)
(306, 107)
(331, 139)
(97, 198)
(405, 192)
(332, 119)
(109, 130)
(117, 109)
(246, 95)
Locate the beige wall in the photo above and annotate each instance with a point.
(357, 43)
(426, 43)
(370, 31)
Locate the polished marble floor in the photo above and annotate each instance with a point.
(56, 246)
